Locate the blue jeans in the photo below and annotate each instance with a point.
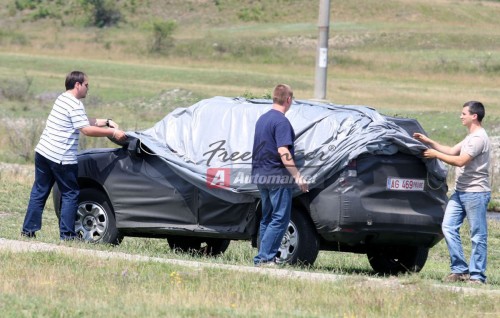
(276, 211)
(472, 205)
(46, 173)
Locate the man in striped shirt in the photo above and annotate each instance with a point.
(55, 155)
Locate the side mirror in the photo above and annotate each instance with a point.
(120, 143)
(133, 146)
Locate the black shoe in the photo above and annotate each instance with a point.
(28, 234)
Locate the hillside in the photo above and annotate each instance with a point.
(408, 58)
(268, 32)
(419, 58)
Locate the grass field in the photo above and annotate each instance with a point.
(49, 284)
(420, 59)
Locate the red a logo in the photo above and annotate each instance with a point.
(218, 177)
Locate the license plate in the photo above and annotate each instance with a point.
(403, 184)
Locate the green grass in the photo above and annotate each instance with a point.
(14, 194)
(421, 59)
(53, 284)
(115, 288)
(122, 81)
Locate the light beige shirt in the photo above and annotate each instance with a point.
(474, 176)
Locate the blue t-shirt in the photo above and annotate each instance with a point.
(273, 130)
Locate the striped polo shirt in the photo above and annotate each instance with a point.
(59, 140)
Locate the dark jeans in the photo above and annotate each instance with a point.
(46, 173)
(276, 211)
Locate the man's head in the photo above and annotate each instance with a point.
(475, 108)
(78, 83)
(283, 95)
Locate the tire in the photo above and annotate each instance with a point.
(198, 246)
(300, 244)
(393, 261)
(95, 220)
(215, 247)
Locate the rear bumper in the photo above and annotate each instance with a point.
(357, 235)
(360, 222)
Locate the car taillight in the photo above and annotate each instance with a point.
(352, 169)
(349, 172)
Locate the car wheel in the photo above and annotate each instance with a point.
(95, 220)
(214, 246)
(198, 246)
(300, 244)
(398, 260)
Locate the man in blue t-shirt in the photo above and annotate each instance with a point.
(275, 173)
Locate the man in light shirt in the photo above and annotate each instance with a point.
(471, 196)
(55, 155)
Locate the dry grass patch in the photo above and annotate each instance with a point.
(115, 288)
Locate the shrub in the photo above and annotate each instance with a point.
(26, 4)
(8, 36)
(42, 13)
(494, 205)
(17, 90)
(105, 13)
(23, 135)
(254, 14)
(250, 95)
(162, 36)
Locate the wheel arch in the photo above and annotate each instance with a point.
(86, 183)
(299, 203)
(83, 183)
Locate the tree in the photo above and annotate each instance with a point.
(105, 13)
(162, 36)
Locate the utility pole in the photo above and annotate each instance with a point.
(322, 53)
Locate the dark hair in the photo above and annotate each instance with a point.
(476, 108)
(281, 93)
(73, 78)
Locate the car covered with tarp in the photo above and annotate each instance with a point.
(188, 179)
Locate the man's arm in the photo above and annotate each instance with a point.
(450, 155)
(286, 158)
(101, 122)
(454, 151)
(95, 131)
(458, 161)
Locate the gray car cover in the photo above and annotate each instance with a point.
(210, 143)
